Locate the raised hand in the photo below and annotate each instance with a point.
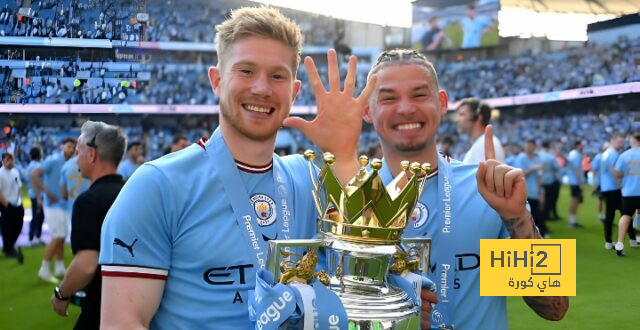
(502, 186)
(336, 127)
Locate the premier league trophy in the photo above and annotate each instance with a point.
(360, 246)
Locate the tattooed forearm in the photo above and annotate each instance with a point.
(549, 308)
(522, 227)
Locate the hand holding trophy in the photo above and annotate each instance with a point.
(364, 261)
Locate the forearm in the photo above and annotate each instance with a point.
(522, 227)
(39, 186)
(63, 192)
(549, 308)
(345, 169)
(80, 273)
(129, 302)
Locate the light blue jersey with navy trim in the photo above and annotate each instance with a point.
(608, 182)
(174, 221)
(574, 164)
(72, 180)
(629, 164)
(127, 167)
(477, 220)
(524, 162)
(51, 171)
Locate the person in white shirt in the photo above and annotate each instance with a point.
(472, 116)
(11, 210)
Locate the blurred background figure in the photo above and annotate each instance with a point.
(132, 160)
(11, 210)
(37, 213)
(472, 116)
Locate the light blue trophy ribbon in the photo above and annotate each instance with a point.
(295, 306)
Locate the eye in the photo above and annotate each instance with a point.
(278, 76)
(245, 72)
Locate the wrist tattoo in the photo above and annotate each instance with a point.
(522, 227)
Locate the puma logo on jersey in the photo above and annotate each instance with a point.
(119, 242)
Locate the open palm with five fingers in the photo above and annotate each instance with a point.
(336, 127)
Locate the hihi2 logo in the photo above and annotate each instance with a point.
(527, 267)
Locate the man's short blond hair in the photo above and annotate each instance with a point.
(263, 22)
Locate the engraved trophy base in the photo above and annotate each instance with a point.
(359, 276)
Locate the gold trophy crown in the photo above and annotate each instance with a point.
(365, 211)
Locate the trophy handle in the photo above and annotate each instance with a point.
(280, 252)
(418, 248)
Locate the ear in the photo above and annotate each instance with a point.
(214, 79)
(443, 99)
(297, 84)
(94, 155)
(366, 114)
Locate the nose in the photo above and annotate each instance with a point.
(261, 85)
(406, 107)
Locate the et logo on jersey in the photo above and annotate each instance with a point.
(230, 275)
(265, 209)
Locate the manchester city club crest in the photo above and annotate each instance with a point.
(265, 209)
(419, 215)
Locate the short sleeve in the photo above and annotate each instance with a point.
(521, 163)
(85, 225)
(620, 165)
(137, 231)
(62, 181)
(46, 164)
(595, 164)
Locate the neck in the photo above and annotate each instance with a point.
(393, 158)
(247, 150)
(476, 132)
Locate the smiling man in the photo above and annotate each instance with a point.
(176, 258)
(461, 203)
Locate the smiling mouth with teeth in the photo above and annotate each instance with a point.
(259, 109)
(408, 126)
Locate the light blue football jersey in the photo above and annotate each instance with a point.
(629, 164)
(127, 167)
(608, 181)
(574, 165)
(51, 171)
(32, 166)
(472, 219)
(525, 162)
(72, 180)
(174, 220)
(551, 167)
(595, 168)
